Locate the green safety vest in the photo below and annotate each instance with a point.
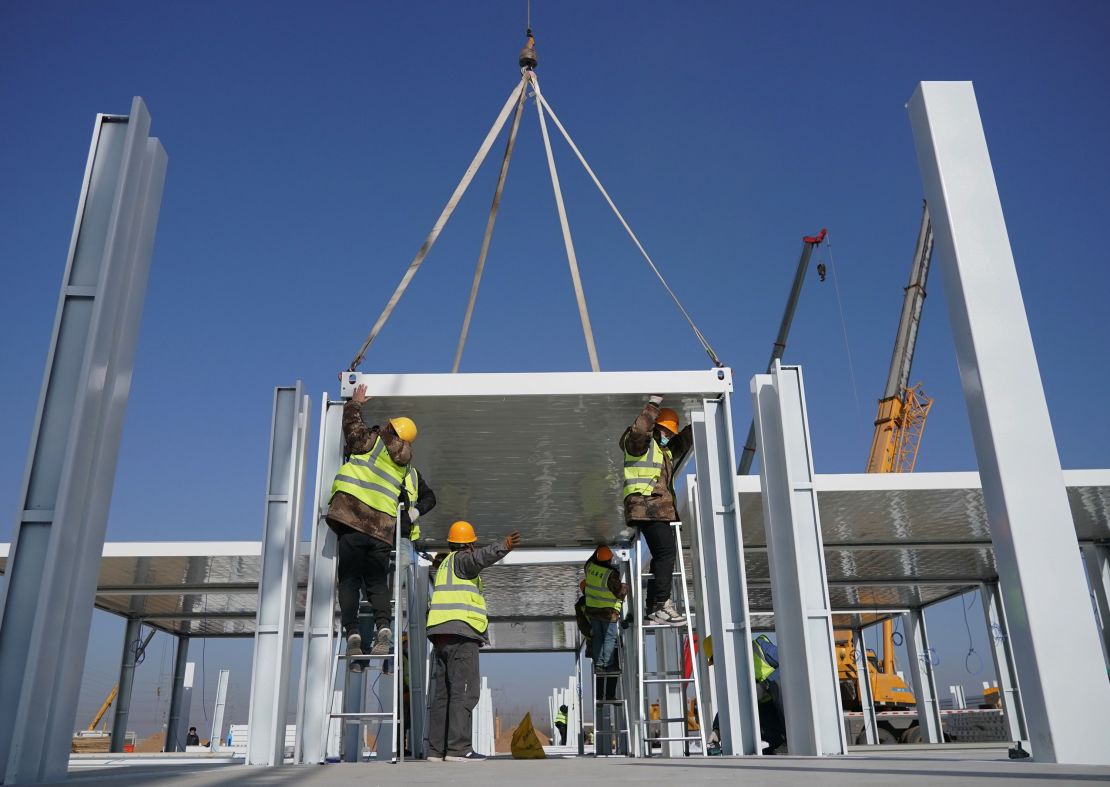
(763, 670)
(560, 718)
(598, 595)
(457, 599)
(642, 472)
(376, 480)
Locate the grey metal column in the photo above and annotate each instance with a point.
(418, 659)
(131, 646)
(702, 624)
(920, 667)
(1096, 557)
(796, 558)
(1023, 486)
(866, 696)
(67, 486)
(719, 523)
(175, 741)
(273, 639)
(215, 735)
(1003, 662)
(318, 667)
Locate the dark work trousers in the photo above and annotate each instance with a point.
(661, 543)
(457, 687)
(562, 728)
(363, 563)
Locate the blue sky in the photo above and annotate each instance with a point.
(311, 147)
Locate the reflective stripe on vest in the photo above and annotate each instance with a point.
(375, 479)
(642, 472)
(560, 718)
(457, 599)
(598, 595)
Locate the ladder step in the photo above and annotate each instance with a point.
(607, 674)
(374, 715)
(668, 680)
(608, 702)
(683, 738)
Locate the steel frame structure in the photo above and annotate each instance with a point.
(1023, 486)
(67, 486)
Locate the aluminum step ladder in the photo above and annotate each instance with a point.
(670, 645)
(353, 718)
(611, 719)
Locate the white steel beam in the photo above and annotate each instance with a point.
(1023, 486)
(920, 667)
(175, 741)
(273, 639)
(719, 532)
(866, 695)
(318, 667)
(1008, 691)
(1096, 557)
(67, 486)
(702, 625)
(215, 734)
(792, 522)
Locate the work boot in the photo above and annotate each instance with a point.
(470, 756)
(383, 642)
(354, 649)
(674, 615)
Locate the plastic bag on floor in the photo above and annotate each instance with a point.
(525, 744)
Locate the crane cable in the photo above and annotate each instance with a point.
(437, 228)
(489, 231)
(700, 336)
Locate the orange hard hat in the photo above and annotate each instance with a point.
(461, 533)
(604, 554)
(668, 419)
(582, 586)
(404, 427)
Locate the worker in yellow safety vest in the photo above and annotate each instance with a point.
(376, 478)
(561, 724)
(653, 447)
(457, 627)
(604, 599)
(772, 721)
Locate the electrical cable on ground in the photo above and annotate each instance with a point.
(844, 328)
(489, 231)
(437, 228)
(582, 159)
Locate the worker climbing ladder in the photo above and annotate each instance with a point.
(667, 683)
(352, 672)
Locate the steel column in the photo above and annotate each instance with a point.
(1023, 486)
(215, 735)
(273, 639)
(131, 646)
(1003, 662)
(796, 558)
(719, 532)
(174, 740)
(1096, 557)
(866, 696)
(702, 624)
(418, 658)
(318, 666)
(920, 667)
(70, 472)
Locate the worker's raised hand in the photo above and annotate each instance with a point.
(359, 396)
(512, 540)
(655, 399)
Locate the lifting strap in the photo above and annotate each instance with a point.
(437, 228)
(572, 261)
(489, 231)
(543, 105)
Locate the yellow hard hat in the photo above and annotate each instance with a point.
(668, 419)
(461, 533)
(707, 649)
(404, 427)
(604, 554)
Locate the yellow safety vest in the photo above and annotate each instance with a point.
(598, 595)
(376, 480)
(763, 670)
(642, 472)
(560, 718)
(457, 599)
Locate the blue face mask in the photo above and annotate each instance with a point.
(664, 439)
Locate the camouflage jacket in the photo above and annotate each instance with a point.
(347, 510)
(660, 504)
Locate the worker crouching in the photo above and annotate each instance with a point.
(457, 628)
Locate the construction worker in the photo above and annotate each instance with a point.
(604, 594)
(653, 447)
(561, 724)
(375, 478)
(772, 722)
(583, 619)
(457, 625)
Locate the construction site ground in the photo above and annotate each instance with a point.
(903, 765)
